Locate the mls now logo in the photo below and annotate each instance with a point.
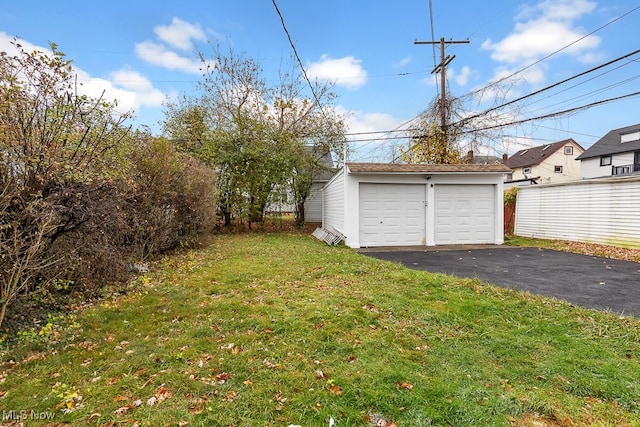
(14, 415)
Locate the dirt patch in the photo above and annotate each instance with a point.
(535, 420)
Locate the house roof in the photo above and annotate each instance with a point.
(536, 155)
(325, 169)
(424, 168)
(612, 144)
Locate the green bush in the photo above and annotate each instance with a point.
(511, 195)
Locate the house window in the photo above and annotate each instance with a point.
(526, 169)
(605, 160)
(557, 169)
(568, 150)
(629, 137)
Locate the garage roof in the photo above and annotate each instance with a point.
(424, 168)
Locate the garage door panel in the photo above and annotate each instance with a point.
(392, 214)
(464, 214)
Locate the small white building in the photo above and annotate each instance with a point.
(379, 204)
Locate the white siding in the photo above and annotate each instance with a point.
(333, 203)
(349, 200)
(313, 204)
(597, 211)
(591, 167)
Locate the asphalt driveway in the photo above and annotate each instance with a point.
(583, 280)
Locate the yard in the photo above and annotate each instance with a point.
(279, 329)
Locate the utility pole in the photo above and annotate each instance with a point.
(442, 68)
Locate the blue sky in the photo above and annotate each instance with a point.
(143, 52)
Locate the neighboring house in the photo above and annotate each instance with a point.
(313, 204)
(380, 204)
(616, 153)
(549, 163)
(474, 159)
(283, 201)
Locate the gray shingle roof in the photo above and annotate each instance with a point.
(610, 143)
(424, 168)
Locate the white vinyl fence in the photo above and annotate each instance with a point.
(605, 211)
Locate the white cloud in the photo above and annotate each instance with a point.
(463, 78)
(403, 62)
(558, 9)
(347, 71)
(158, 54)
(542, 30)
(180, 34)
(371, 150)
(130, 88)
(133, 81)
(360, 121)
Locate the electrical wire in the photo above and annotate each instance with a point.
(554, 52)
(556, 114)
(295, 53)
(544, 89)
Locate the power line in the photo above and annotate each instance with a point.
(475, 116)
(555, 52)
(295, 53)
(558, 113)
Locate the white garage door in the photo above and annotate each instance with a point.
(392, 214)
(464, 214)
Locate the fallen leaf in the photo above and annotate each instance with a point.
(162, 393)
(321, 375)
(222, 377)
(335, 389)
(405, 385)
(271, 365)
(122, 410)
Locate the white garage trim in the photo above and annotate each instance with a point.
(376, 204)
(392, 214)
(464, 214)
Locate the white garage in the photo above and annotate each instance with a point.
(376, 204)
(392, 214)
(464, 213)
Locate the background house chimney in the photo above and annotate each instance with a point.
(504, 157)
(470, 157)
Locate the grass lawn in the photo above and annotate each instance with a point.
(279, 329)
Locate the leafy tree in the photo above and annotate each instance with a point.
(256, 136)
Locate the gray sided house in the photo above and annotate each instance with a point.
(283, 201)
(379, 204)
(615, 154)
(313, 204)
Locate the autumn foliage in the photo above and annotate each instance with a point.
(82, 196)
